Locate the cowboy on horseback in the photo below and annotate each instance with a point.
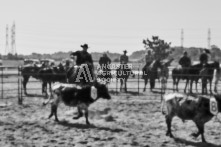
(104, 70)
(185, 63)
(84, 59)
(124, 58)
(104, 62)
(149, 59)
(204, 57)
(124, 71)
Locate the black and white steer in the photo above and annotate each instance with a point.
(77, 96)
(199, 109)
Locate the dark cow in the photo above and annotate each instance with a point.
(77, 96)
(199, 109)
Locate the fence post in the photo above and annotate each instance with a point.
(161, 95)
(2, 82)
(138, 78)
(116, 84)
(19, 89)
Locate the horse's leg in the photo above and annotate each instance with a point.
(196, 82)
(152, 84)
(121, 84)
(145, 83)
(25, 81)
(174, 84)
(202, 81)
(191, 85)
(44, 88)
(125, 84)
(178, 80)
(215, 86)
(50, 89)
(206, 86)
(210, 85)
(187, 82)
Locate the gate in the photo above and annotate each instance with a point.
(10, 85)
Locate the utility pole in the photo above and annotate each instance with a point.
(13, 51)
(6, 41)
(182, 38)
(209, 38)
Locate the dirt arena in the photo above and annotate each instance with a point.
(125, 120)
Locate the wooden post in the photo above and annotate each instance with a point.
(2, 82)
(138, 79)
(19, 88)
(116, 84)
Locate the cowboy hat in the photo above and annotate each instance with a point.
(84, 46)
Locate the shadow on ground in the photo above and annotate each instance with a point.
(84, 126)
(197, 144)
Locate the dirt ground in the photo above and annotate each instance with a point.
(125, 120)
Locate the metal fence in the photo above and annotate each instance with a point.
(11, 85)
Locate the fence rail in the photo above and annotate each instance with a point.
(11, 84)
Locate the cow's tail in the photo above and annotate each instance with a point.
(162, 106)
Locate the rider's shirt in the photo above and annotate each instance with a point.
(104, 60)
(123, 59)
(203, 58)
(82, 57)
(185, 61)
(149, 58)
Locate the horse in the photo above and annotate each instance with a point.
(49, 75)
(81, 75)
(151, 73)
(28, 71)
(207, 75)
(177, 74)
(191, 74)
(122, 73)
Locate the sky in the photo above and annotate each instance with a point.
(48, 26)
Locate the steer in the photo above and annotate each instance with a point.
(77, 96)
(199, 109)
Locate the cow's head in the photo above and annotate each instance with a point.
(102, 90)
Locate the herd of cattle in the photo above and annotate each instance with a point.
(198, 108)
